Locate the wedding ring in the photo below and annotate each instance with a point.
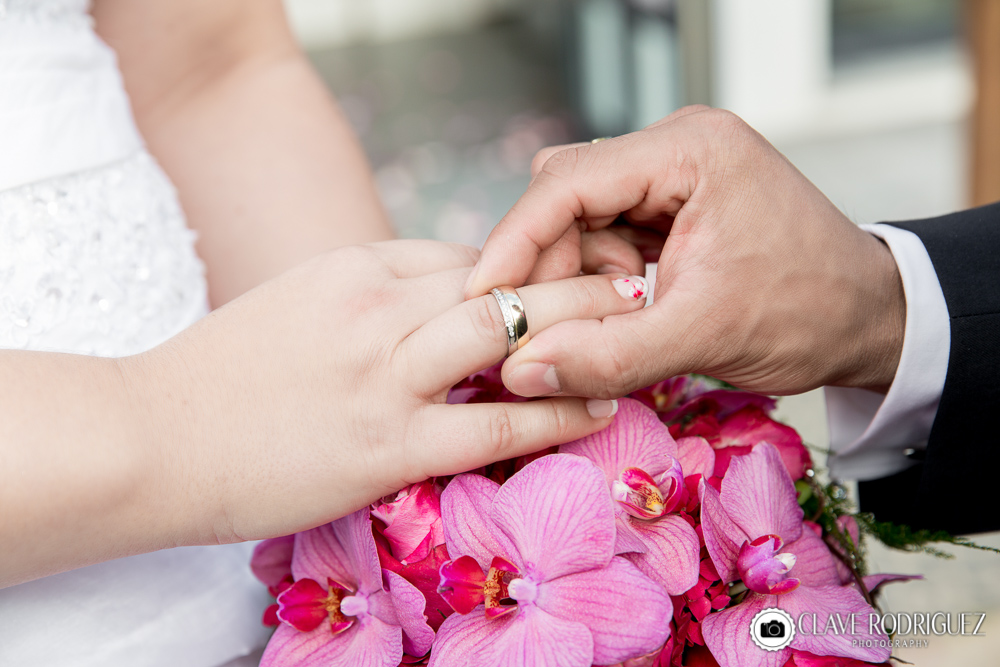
(514, 319)
(599, 140)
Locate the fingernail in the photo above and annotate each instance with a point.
(633, 287)
(610, 268)
(599, 409)
(533, 379)
(472, 277)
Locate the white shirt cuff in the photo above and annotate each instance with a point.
(871, 434)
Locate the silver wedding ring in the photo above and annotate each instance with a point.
(514, 319)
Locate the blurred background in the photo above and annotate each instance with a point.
(892, 107)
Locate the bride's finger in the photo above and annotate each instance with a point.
(466, 437)
(472, 335)
(418, 257)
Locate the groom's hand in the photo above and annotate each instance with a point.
(761, 281)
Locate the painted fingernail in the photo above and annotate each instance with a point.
(599, 409)
(533, 379)
(472, 277)
(610, 268)
(633, 287)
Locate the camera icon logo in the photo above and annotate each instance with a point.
(772, 629)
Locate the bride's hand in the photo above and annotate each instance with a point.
(324, 389)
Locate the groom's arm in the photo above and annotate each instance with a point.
(268, 171)
(952, 483)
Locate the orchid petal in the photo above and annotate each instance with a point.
(462, 583)
(696, 456)
(303, 605)
(468, 530)
(727, 635)
(635, 439)
(272, 560)
(824, 601)
(559, 515)
(814, 564)
(404, 606)
(671, 556)
(461, 637)
(535, 638)
(627, 613)
(370, 643)
(627, 539)
(874, 581)
(319, 555)
(529, 637)
(343, 551)
(723, 538)
(760, 497)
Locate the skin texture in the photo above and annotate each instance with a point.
(761, 281)
(268, 171)
(307, 398)
(312, 394)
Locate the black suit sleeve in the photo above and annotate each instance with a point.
(956, 485)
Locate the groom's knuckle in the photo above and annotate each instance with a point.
(562, 164)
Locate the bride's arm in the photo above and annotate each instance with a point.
(268, 170)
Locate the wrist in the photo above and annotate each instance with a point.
(880, 318)
(164, 413)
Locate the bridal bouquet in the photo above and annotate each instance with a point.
(689, 532)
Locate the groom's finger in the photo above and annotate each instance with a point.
(603, 359)
(466, 437)
(473, 336)
(595, 183)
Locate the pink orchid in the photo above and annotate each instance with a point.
(412, 521)
(644, 470)
(343, 609)
(538, 552)
(754, 532)
(271, 563)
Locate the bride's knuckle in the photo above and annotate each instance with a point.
(487, 321)
(501, 434)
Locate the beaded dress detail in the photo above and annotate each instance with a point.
(99, 262)
(96, 259)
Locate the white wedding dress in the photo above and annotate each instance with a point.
(95, 258)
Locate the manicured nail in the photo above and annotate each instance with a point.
(533, 379)
(633, 287)
(599, 409)
(610, 268)
(472, 277)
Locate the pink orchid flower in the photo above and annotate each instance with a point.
(754, 532)
(343, 609)
(535, 569)
(644, 470)
(271, 563)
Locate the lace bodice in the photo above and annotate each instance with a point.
(96, 258)
(98, 262)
